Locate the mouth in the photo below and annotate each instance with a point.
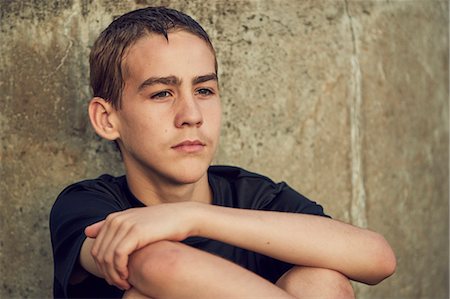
(189, 146)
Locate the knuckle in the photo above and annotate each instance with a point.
(116, 221)
(118, 252)
(100, 260)
(94, 251)
(134, 229)
(108, 259)
(110, 217)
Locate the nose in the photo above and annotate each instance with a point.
(188, 112)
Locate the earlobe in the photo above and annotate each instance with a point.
(103, 120)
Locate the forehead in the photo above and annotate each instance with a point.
(182, 53)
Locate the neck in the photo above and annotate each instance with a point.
(151, 191)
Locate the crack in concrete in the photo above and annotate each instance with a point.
(63, 59)
(67, 22)
(358, 203)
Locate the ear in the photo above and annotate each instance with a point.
(103, 118)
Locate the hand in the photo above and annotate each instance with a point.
(122, 233)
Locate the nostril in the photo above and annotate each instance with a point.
(189, 114)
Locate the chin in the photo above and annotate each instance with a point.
(189, 175)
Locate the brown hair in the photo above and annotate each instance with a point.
(107, 53)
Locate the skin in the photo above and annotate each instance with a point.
(163, 104)
(171, 95)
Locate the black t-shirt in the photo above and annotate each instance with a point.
(90, 201)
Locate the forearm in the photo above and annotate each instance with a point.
(174, 270)
(300, 239)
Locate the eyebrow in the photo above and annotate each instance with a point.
(172, 80)
(205, 78)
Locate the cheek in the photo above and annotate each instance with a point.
(214, 112)
(215, 122)
(218, 120)
(219, 116)
(137, 127)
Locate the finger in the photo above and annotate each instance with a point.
(97, 255)
(124, 249)
(120, 253)
(117, 281)
(109, 277)
(117, 260)
(98, 241)
(113, 232)
(102, 231)
(101, 246)
(99, 263)
(101, 228)
(92, 230)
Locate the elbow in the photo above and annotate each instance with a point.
(154, 268)
(384, 261)
(390, 264)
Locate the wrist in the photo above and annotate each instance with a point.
(196, 218)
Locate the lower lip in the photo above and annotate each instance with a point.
(194, 148)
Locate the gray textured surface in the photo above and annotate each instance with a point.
(347, 101)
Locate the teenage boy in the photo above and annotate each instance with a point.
(174, 226)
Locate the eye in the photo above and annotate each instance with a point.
(161, 95)
(204, 92)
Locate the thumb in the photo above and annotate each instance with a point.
(92, 230)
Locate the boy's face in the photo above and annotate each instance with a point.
(169, 123)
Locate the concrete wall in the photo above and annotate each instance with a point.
(347, 101)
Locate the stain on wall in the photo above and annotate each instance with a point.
(346, 100)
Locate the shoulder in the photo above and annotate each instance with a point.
(237, 187)
(106, 183)
(235, 174)
(240, 188)
(77, 206)
(106, 190)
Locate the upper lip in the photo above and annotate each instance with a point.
(189, 142)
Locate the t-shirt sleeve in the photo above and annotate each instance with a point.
(285, 199)
(257, 192)
(77, 207)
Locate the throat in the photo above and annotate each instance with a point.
(152, 194)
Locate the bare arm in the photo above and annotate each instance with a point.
(300, 239)
(167, 269)
(175, 270)
(299, 282)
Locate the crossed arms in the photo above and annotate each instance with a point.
(139, 250)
